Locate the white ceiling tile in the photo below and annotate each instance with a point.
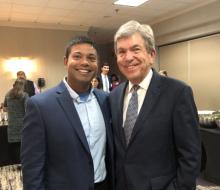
(55, 12)
(22, 17)
(73, 22)
(48, 19)
(5, 6)
(31, 2)
(191, 1)
(5, 1)
(4, 15)
(67, 4)
(99, 1)
(90, 7)
(26, 9)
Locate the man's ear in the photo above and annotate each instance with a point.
(153, 53)
(65, 60)
(153, 56)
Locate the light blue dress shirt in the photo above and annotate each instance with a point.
(93, 124)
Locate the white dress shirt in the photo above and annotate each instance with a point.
(105, 82)
(143, 86)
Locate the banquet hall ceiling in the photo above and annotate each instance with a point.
(87, 15)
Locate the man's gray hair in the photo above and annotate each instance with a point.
(131, 27)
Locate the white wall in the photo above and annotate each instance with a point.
(189, 51)
(197, 62)
(196, 23)
(45, 46)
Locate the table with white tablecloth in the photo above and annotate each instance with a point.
(211, 143)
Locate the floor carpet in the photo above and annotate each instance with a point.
(205, 185)
(11, 179)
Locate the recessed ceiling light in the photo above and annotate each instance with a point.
(133, 3)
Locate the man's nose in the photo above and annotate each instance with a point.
(85, 61)
(129, 56)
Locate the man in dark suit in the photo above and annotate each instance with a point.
(155, 121)
(67, 139)
(29, 86)
(104, 78)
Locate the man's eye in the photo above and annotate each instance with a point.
(136, 50)
(121, 52)
(76, 56)
(92, 58)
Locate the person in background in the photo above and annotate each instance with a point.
(30, 87)
(163, 73)
(1, 105)
(2, 109)
(105, 79)
(154, 118)
(114, 81)
(96, 83)
(67, 138)
(15, 101)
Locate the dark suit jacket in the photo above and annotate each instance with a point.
(101, 82)
(55, 154)
(29, 88)
(164, 150)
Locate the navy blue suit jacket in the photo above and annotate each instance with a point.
(55, 154)
(101, 82)
(164, 149)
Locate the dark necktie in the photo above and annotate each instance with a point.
(132, 113)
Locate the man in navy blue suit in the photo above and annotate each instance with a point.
(67, 138)
(155, 121)
(104, 78)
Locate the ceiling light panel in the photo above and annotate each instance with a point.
(133, 3)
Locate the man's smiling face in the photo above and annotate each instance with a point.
(134, 61)
(82, 65)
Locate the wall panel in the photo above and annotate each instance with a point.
(45, 46)
(197, 62)
(174, 58)
(205, 71)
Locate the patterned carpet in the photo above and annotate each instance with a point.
(205, 185)
(199, 187)
(11, 179)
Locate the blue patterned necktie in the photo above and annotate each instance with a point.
(131, 115)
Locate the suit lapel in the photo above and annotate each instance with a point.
(119, 109)
(150, 100)
(67, 105)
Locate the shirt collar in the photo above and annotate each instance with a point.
(104, 75)
(73, 93)
(144, 83)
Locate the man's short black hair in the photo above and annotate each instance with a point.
(105, 64)
(78, 40)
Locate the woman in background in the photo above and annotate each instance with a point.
(15, 101)
(96, 83)
(114, 81)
